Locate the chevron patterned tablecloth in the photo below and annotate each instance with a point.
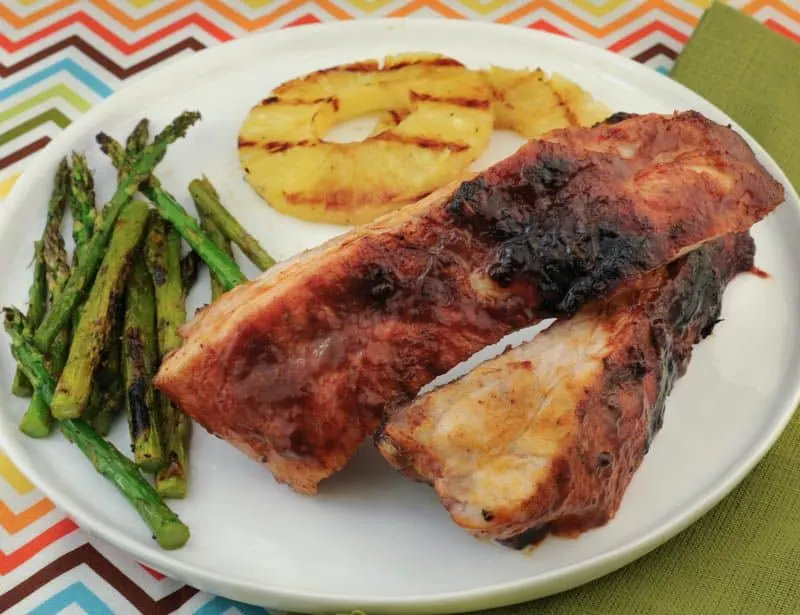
(59, 58)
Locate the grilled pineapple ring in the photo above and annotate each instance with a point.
(444, 122)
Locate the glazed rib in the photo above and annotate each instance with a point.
(298, 367)
(547, 436)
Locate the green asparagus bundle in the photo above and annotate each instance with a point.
(163, 251)
(225, 267)
(83, 275)
(37, 296)
(211, 208)
(167, 528)
(75, 384)
(139, 356)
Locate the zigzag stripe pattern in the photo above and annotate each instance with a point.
(58, 58)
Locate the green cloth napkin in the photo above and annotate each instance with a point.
(753, 75)
(744, 555)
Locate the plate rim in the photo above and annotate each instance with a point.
(498, 594)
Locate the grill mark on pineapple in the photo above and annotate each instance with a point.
(568, 112)
(333, 100)
(423, 142)
(472, 103)
(368, 66)
(247, 143)
(425, 62)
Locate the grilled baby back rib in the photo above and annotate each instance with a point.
(547, 436)
(297, 367)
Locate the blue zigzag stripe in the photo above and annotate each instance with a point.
(65, 65)
(218, 606)
(77, 593)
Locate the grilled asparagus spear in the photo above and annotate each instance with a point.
(139, 356)
(210, 207)
(163, 250)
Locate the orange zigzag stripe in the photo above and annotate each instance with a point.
(11, 561)
(599, 31)
(222, 8)
(416, 5)
(782, 7)
(637, 35)
(13, 523)
(107, 35)
(6, 14)
(254, 24)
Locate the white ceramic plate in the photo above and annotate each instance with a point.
(373, 539)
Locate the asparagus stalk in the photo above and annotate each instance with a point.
(168, 530)
(225, 267)
(81, 202)
(222, 242)
(37, 294)
(37, 420)
(139, 355)
(37, 307)
(75, 384)
(208, 203)
(83, 275)
(163, 253)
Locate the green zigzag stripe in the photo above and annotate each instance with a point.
(57, 91)
(51, 115)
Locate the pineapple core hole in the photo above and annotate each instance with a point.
(354, 130)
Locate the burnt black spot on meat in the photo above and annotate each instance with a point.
(378, 283)
(616, 118)
(487, 515)
(531, 536)
(605, 460)
(549, 235)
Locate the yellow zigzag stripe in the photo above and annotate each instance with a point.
(14, 477)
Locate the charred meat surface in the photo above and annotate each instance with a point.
(297, 367)
(546, 437)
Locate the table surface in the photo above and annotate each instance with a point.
(59, 58)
